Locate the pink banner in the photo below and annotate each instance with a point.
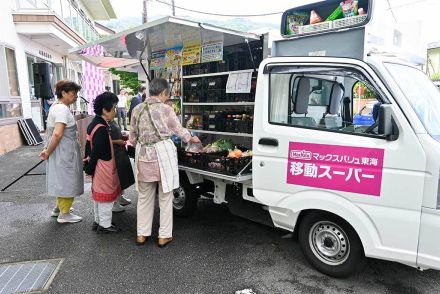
(334, 167)
(93, 83)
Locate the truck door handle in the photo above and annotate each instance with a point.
(268, 142)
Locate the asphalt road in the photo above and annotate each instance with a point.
(213, 252)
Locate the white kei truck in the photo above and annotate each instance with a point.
(348, 190)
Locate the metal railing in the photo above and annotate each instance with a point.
(67, 11)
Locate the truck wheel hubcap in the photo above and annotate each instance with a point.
(179, 198)
(329, 243)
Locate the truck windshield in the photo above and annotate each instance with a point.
(421, 93)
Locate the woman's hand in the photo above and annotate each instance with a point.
(44, 155)
(195, 139)
(119, 142)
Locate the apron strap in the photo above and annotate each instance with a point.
(90, 137)
(156, 129)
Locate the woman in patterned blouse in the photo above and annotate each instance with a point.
(152, 124)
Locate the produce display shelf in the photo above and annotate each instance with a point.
(216, 74)
(222, 133)
(219, 103)
(238, 178)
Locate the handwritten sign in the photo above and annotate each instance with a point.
(212, 51)
(239, 82)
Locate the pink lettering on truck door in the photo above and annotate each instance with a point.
(334, 167)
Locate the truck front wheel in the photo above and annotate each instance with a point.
(185, 198)
(330, 244)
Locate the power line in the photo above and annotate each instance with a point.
(392, 12)
(218, 14)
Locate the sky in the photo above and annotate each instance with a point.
(424, 14)
(124, 8)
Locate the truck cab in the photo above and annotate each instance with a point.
(349, 189)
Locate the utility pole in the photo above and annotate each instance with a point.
(173, 7)
(144, 14)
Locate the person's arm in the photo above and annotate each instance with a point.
(54, 141)
(176, 127)
(119, 142)
(132, 137)
(101, 149)
(116, 134)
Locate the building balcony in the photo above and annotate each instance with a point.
(64, 15)
(48, 30)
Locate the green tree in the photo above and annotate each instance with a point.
(368, 93)
(129, 80)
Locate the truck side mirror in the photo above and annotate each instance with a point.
(387, 126)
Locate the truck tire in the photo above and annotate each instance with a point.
(330, 244)
(185, 198)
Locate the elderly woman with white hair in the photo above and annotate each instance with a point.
(152, 124)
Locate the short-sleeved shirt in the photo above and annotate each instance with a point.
(122, 101)
(60, 113)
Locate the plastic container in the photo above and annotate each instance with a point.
(220, 163)
(189, 159)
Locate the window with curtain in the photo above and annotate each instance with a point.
(11, 64)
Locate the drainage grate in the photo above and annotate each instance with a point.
(25, 277)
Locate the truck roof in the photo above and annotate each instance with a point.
(126, 48)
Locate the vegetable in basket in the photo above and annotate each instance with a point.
(237, 153)
(223, 144)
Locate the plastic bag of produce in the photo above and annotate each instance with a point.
(349, 8)
(294, 21)
(194, 147)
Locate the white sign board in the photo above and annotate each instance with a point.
(239, 82)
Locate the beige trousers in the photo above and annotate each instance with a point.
(145, 210)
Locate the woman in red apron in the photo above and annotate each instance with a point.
(100, 163)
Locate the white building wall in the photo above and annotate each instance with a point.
(22, 46)
(10, 38)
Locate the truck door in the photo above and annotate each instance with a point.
(310, 154)
(412, 83)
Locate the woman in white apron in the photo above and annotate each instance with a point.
(64, 175)
(156, 160)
